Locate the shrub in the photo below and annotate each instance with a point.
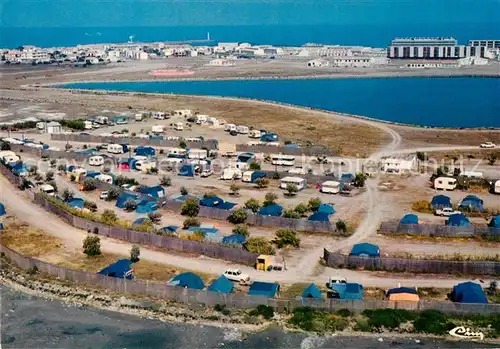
(422, 206)
(341, 226)
(72, 178)
(241, 229)
(53, 184)
(182, 144)
(301, 209)
(67, 194)
(152, 170)
(38, 178)
(109, 217)
(166, 181)
(254, 166)
(492, 158)
(234, 189)
(270, 199)
(303, 318)
(49, 176)
(33, 170)
(61, 168)
(92, 246)
(184, 191)
(432, 322)
(121, 180)
(286, 237)
(262, 183)
(237, 216)
(190, 222)
(259, 245)
(387, 318)
(314, 204)
(113, 194)
(291, 214)
(130, 205)
(276, 175)
(360, 179)
(90, 205)
(190, 208)
(263, 310)
(90, 184)
(135, 253)
(291, 189)
(253, 205)
(155, 217)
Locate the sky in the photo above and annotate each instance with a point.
(118, 13)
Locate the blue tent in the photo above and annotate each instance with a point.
(2, 210)
(76, 203)
(93, 174)
(221, 285)
(120, 269)
(124, 197)
(495, 221)
(19, 169)
(169, 229)
(1, 226)
(472, 204)
(347, 178)
(468, 292)
(145, 151)
(440, 201)
(326, 208)
(458, 220)
(266, 289)
(274, 210)
(187, 171)
(146, 206)
(140, 220)
(473, 198)
(217, 203)
(319, 217)
(312, 291)
(269, 137)
(365, 249)
(349, 291)
(188, 280)
(235, 239)
(156, 191)
(409, 219)
(245, 157)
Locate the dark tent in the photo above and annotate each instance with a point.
(312, 291)
(409, 219)
(235, 239)
(216, 202)
(495, 221)
(157, 191)
(472, 202)
(245, 157)
(19, 169)
(441, 201)
(146, 206)
(187, 171)
(206, 230)
(347, 178)
(76, 203)
(458, 220)
(188, 280)
(169, 229)
(221, 285)
(120, 269)
(473, 198)
(92, 174)
(319, 217)
(365, 249)
(274, 210)
(2, 210)
(1, 226)
(145, 151)
(326, 208)
(266, 289)
(124, 197)
(349, 291)
(269, 137)
(468, 292)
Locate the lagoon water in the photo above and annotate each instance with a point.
(441, 102)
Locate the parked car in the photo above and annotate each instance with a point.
(446, 212)
(104, 195)
(233, 133)
(237, 276)
(487, 145)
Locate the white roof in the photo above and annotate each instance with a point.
(293, 179)
(53, 123)
(46, 187)
(331, 183)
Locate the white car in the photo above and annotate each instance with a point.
(446, 212)
(104, 195)
(487, 145)
(237, 276)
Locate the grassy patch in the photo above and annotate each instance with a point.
(293, 290)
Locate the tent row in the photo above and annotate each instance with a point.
(471, 202)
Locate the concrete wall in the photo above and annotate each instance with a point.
(437, 230)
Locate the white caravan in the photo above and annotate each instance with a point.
(230, 127)
(96, 160)
(299, 182)
(445, 183)
(48, 189)
(254, 134)
(242, 129)
(330, 187)
(179, 126)
(230, 173)
(158, 129)
(282, 160)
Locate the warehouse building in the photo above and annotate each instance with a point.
(432, 48)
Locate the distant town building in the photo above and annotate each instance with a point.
(485, 43)
(318, 63)
(220, 62)
(359, 61)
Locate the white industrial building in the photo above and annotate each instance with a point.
(359, 61)
(399, 165)
(318, 63)
(432, 48)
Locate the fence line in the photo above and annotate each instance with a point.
(437, 230)
(233, 300)
(338, 260)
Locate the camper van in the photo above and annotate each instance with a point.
(138, 117)
(282, 160)
(105, 178)
(88, 125)
(47, 189)
(330, 187)
(299, 182)
(159, 115)
(179, 126)
(230, 173)
(175, 151)
(117, 148)
(144, 165)
(158, 129)
(252, 176)
(96, 161)
(445, 183)
(495, 187)
(101, 120)
(230, 127)
(242, 129)
(183, 112)
(201, 119)
(254, 134)
(197, 154)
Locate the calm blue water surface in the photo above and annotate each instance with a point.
(442, 102)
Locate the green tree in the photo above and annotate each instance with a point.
(291, 214)
(301, 209)
(190, 222)
(422, 156)
(33, 170)
(166, 181)
(341, 226)
(190, 207)
(359, 180)
(109, 217)
(237, 216)
(53, 162)
(113, 194)
(241, 229)
(253, 205)
(184, 191)
(235, 189)
(61, 168)
(182, 144)
(38, 178)
(67, 194)
(92, 246)
(314, 204)
(262, 183)
(53, 184)
(90, 184)
(155, 217)
(130, 205)
(291, 189)
(135, 252)
(492, 158)
(90, 205)
(270, 199)
(254, 166)
(49, 176)
(287, 237)
(259, 245)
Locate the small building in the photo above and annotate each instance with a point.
(120, 269)
(403, 294)
(409, 219)
(468, 292)
(445, 183)
(273, 210)
(220, 62)
(440, 201)
(458, 220)
(266, 289)
(318, 63)
(312, 291)
(221, 285)
(187, 280)
(53, 127)
(365, 249)
(433, 64)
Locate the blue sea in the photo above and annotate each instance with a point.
(437, 102)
